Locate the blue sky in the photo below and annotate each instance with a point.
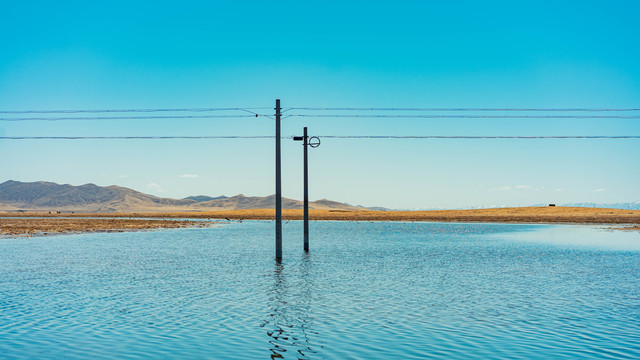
(86, 55)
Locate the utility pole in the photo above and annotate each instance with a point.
(306, 191)
(314, 142)
(278, 186)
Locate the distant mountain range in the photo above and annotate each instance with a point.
(635, 205)
(49, 196)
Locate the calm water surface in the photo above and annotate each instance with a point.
(366, 290)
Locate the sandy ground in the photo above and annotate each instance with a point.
(64, 223)
(28, 226)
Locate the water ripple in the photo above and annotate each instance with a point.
(382, 290)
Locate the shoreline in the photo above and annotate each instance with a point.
(30, 226)
(518, 214)
(43, 223)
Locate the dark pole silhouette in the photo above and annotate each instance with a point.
(306, 191)
(305, 143)
(278, 186)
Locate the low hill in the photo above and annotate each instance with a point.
(49, 196)
(202, 198)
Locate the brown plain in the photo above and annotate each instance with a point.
(28, 226)
(61, 223)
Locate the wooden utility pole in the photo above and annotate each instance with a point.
(278, 186)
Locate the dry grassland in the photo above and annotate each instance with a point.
(517, 215)
(28, 226)
(61, 223)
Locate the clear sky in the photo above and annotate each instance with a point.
(140, 54)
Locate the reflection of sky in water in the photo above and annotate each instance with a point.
(365, 290)
(587, 236)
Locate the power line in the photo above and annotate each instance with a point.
(132, 110)
(249, 109)
(476, 137)
(129, 137)
(320, 136)
(253, 113)
(468, 116)
(153, 117)
(458, 109)
(157, 117)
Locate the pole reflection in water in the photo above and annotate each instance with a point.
(289, 323)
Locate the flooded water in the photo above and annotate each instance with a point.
(366, 290)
